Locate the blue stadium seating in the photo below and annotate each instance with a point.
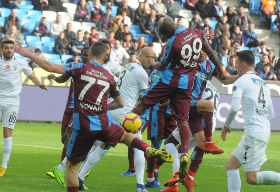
(35, 17)
(49, 44)
(114, 10)
(5, 12)
(253, 49)
(213, 24)
(21, 11)
(55, 61)
(257, 59)
(261, 18)
(254, 7)
(22, 17)
(239, 1)
(48, 49)
(273, 26)
(47, 39)
(35, 44)
(2, 21)
(242, 48)
(103, 8)
(33, 12)
(178, 2)
(30, 7)
(135, 27)
(26, 3)
(32, 38)
(54, 56)
(64, 58)
(23, 21)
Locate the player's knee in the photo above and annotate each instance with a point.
(230, 166)
(251, 180)
(201, 143)
(7, 132)
(209, 106)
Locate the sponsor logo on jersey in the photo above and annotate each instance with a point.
(91, 107)
(112, 71)
(130, 67)
(259, 82)
(201, 75)
(14, 112)
(7, 67)
(188, 38)
(247, 147)
(96, 74)
(15, 67)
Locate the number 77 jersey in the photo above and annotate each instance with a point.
(93, 85)
(182, 56)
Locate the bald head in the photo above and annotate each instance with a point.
(146, 56)
(167, 27)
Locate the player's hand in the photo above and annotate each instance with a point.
(164, 104)
(42, 86)
(208, 36)
(225, 130)
(51, 76)
(22, 51)
(152, 65)
(222, 76)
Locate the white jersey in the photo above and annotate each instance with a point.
(112, 67)
(256, 103)
(210, 93)
(10, 79)
(132, 80)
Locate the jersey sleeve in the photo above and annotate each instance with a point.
(143, 80)
(114, 90)
(27, 70)
(169, 51)
(238, 88)
(72, 69)
(117, 68)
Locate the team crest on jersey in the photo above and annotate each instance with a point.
(14, 112)
(209, 69)
(247, 147)
(15, 67)
(7, 67)
(69, 65)
(234, 88)
(112, 71)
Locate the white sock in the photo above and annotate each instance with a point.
(93, 158)
(7, 148)
(268, 178)
(62, 166)
(139, 163)
(94, 147)
(234, 182)
(171, 148)
(179, 156)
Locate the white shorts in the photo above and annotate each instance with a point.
(118, 114)
(8, 115)
(251, 152)
(192, 143)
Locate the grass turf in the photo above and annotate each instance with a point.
(37, 149)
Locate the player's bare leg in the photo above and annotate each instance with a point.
(72, 176)
(139, 108)
(206, 108)
(185, 139)
(7, 149)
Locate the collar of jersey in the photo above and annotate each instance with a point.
(96, 64)
(180, 29)
(249, 72)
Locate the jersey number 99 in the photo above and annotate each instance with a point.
(195, 56)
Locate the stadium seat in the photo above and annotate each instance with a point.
(32, 38)
(76, 26)
(86, 26)
(103, 8)
(66, 16)
(2, 21)
(54, 56)
(178, 2)
(257, 59)
(21, 11)
(47, 49)
(64, 58)
(254, 7)
(35, 44)
(55, 61)
(71, 7)
(36, 17)
(114, 10)
(239, 1)
(242, 48)
(29, 7)
(33, 12)
(246, 40)
(273, 26)
(5, 12)
(26, 3)
(50, 15)
(102, 34)
(186, 14)
(253, 49)
(213, 24)
(261, 18)
(47, 39)
(22, 17)
(23, 20)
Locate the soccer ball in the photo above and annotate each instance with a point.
(131, 123)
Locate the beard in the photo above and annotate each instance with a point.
(7, 57)
(107, 58)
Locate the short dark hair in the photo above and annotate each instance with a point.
(265, 55)
(105, 41)
(7, 42)
(84, 49)
(241, 6)
(266, 65)
(125, 25)
(150, 44)
(132, 53)
(271, 50)
(92, 28)
(38, 50)
(43, 18)
(263, 43)
(224, 47)
(246, 56)
(127, 34)
(86, 32)
(75, 54)
(233, 56)
(98, 49)
(79, 31)
(134, 41)
(108, 7)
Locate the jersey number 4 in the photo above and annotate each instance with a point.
(261, 97)
(92, 81)
(187, 58)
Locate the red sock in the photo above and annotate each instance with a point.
(197, 156)
(208, 120)
(159, 164)
(72, 189)
(151, 163)
(139, 144)
(136, 112)
(185, 138)
(131, 159)
(63, 153)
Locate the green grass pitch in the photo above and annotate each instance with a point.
(37, 149)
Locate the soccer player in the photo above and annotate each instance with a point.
(179, 66)
(132, 81)
(254, 95)
(91, 119)
(67, 120)
(10, 88)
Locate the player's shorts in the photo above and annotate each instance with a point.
(8, 115)
(161, 125)
(251, 151)
(67, 120)
(118, 114)
(82, 141)
(180, 99)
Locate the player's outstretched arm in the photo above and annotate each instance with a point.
(160, 66)
(230, 79)
(46, 65)
(213, 57)
(36, 81)
(231, 115)
(60, 79)
(118, 102)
